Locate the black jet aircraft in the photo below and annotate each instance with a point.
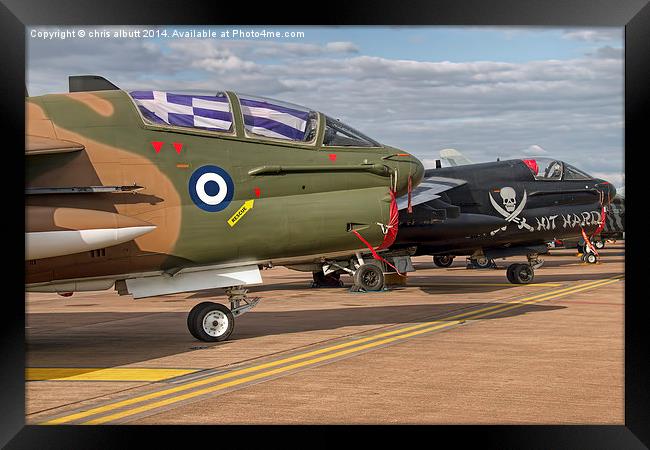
(614, 228)
(499, 209)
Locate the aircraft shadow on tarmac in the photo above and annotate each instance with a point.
(125, 338)
(444, 281)
(465, 284)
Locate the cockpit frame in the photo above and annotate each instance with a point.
(239, 132)
(548, 169)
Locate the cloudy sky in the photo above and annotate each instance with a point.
(489, 92)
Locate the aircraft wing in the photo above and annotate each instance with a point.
(428, 190)
(41, 145)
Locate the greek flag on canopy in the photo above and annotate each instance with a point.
(272, 120)
(210, 112)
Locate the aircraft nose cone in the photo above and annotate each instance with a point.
(417, 171)
(407, 167)
(608, 190)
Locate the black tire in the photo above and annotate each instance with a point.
(590, 258)
(443, 261)
(483, 263)
(219, 330)
(509, 274)
(599, 244)
(192, 313)
(369, 277)
(522, 274)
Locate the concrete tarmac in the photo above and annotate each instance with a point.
(451, 346)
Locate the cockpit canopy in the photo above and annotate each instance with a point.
(554, 170)
(262, 117)
(208, 112)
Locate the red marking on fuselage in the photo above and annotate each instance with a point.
(178, 146)
(332, 156)
(258, 192)
(157, 145)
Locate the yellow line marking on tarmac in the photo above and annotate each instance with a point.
(412, 330)
(102, 374)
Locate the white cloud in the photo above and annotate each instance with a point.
(594, 35)
(616, 178)
(534, 150)
(572, 109)
(342, 47)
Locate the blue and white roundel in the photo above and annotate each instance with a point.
(211, 188)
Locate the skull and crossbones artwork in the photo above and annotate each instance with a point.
(510, 211)
(509, 197)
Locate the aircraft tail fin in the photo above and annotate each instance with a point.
(453, 157)
(85, 83)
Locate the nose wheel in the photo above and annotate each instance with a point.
(369, 277)
(590, 258)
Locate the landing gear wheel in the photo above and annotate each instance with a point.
(210, 322)
(443, 261)
(483, 262)
(369, 277)
(590, 258)
(520, 273)
(599, 244)
(190, 317)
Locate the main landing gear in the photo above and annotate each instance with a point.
(214, 322)
(443, 261)
(480, 262)
(519, 273)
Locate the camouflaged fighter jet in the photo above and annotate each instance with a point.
(159, 192)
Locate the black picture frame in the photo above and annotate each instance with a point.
(634, 15)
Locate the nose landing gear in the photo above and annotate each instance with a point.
(589, 258)
(369, 277)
